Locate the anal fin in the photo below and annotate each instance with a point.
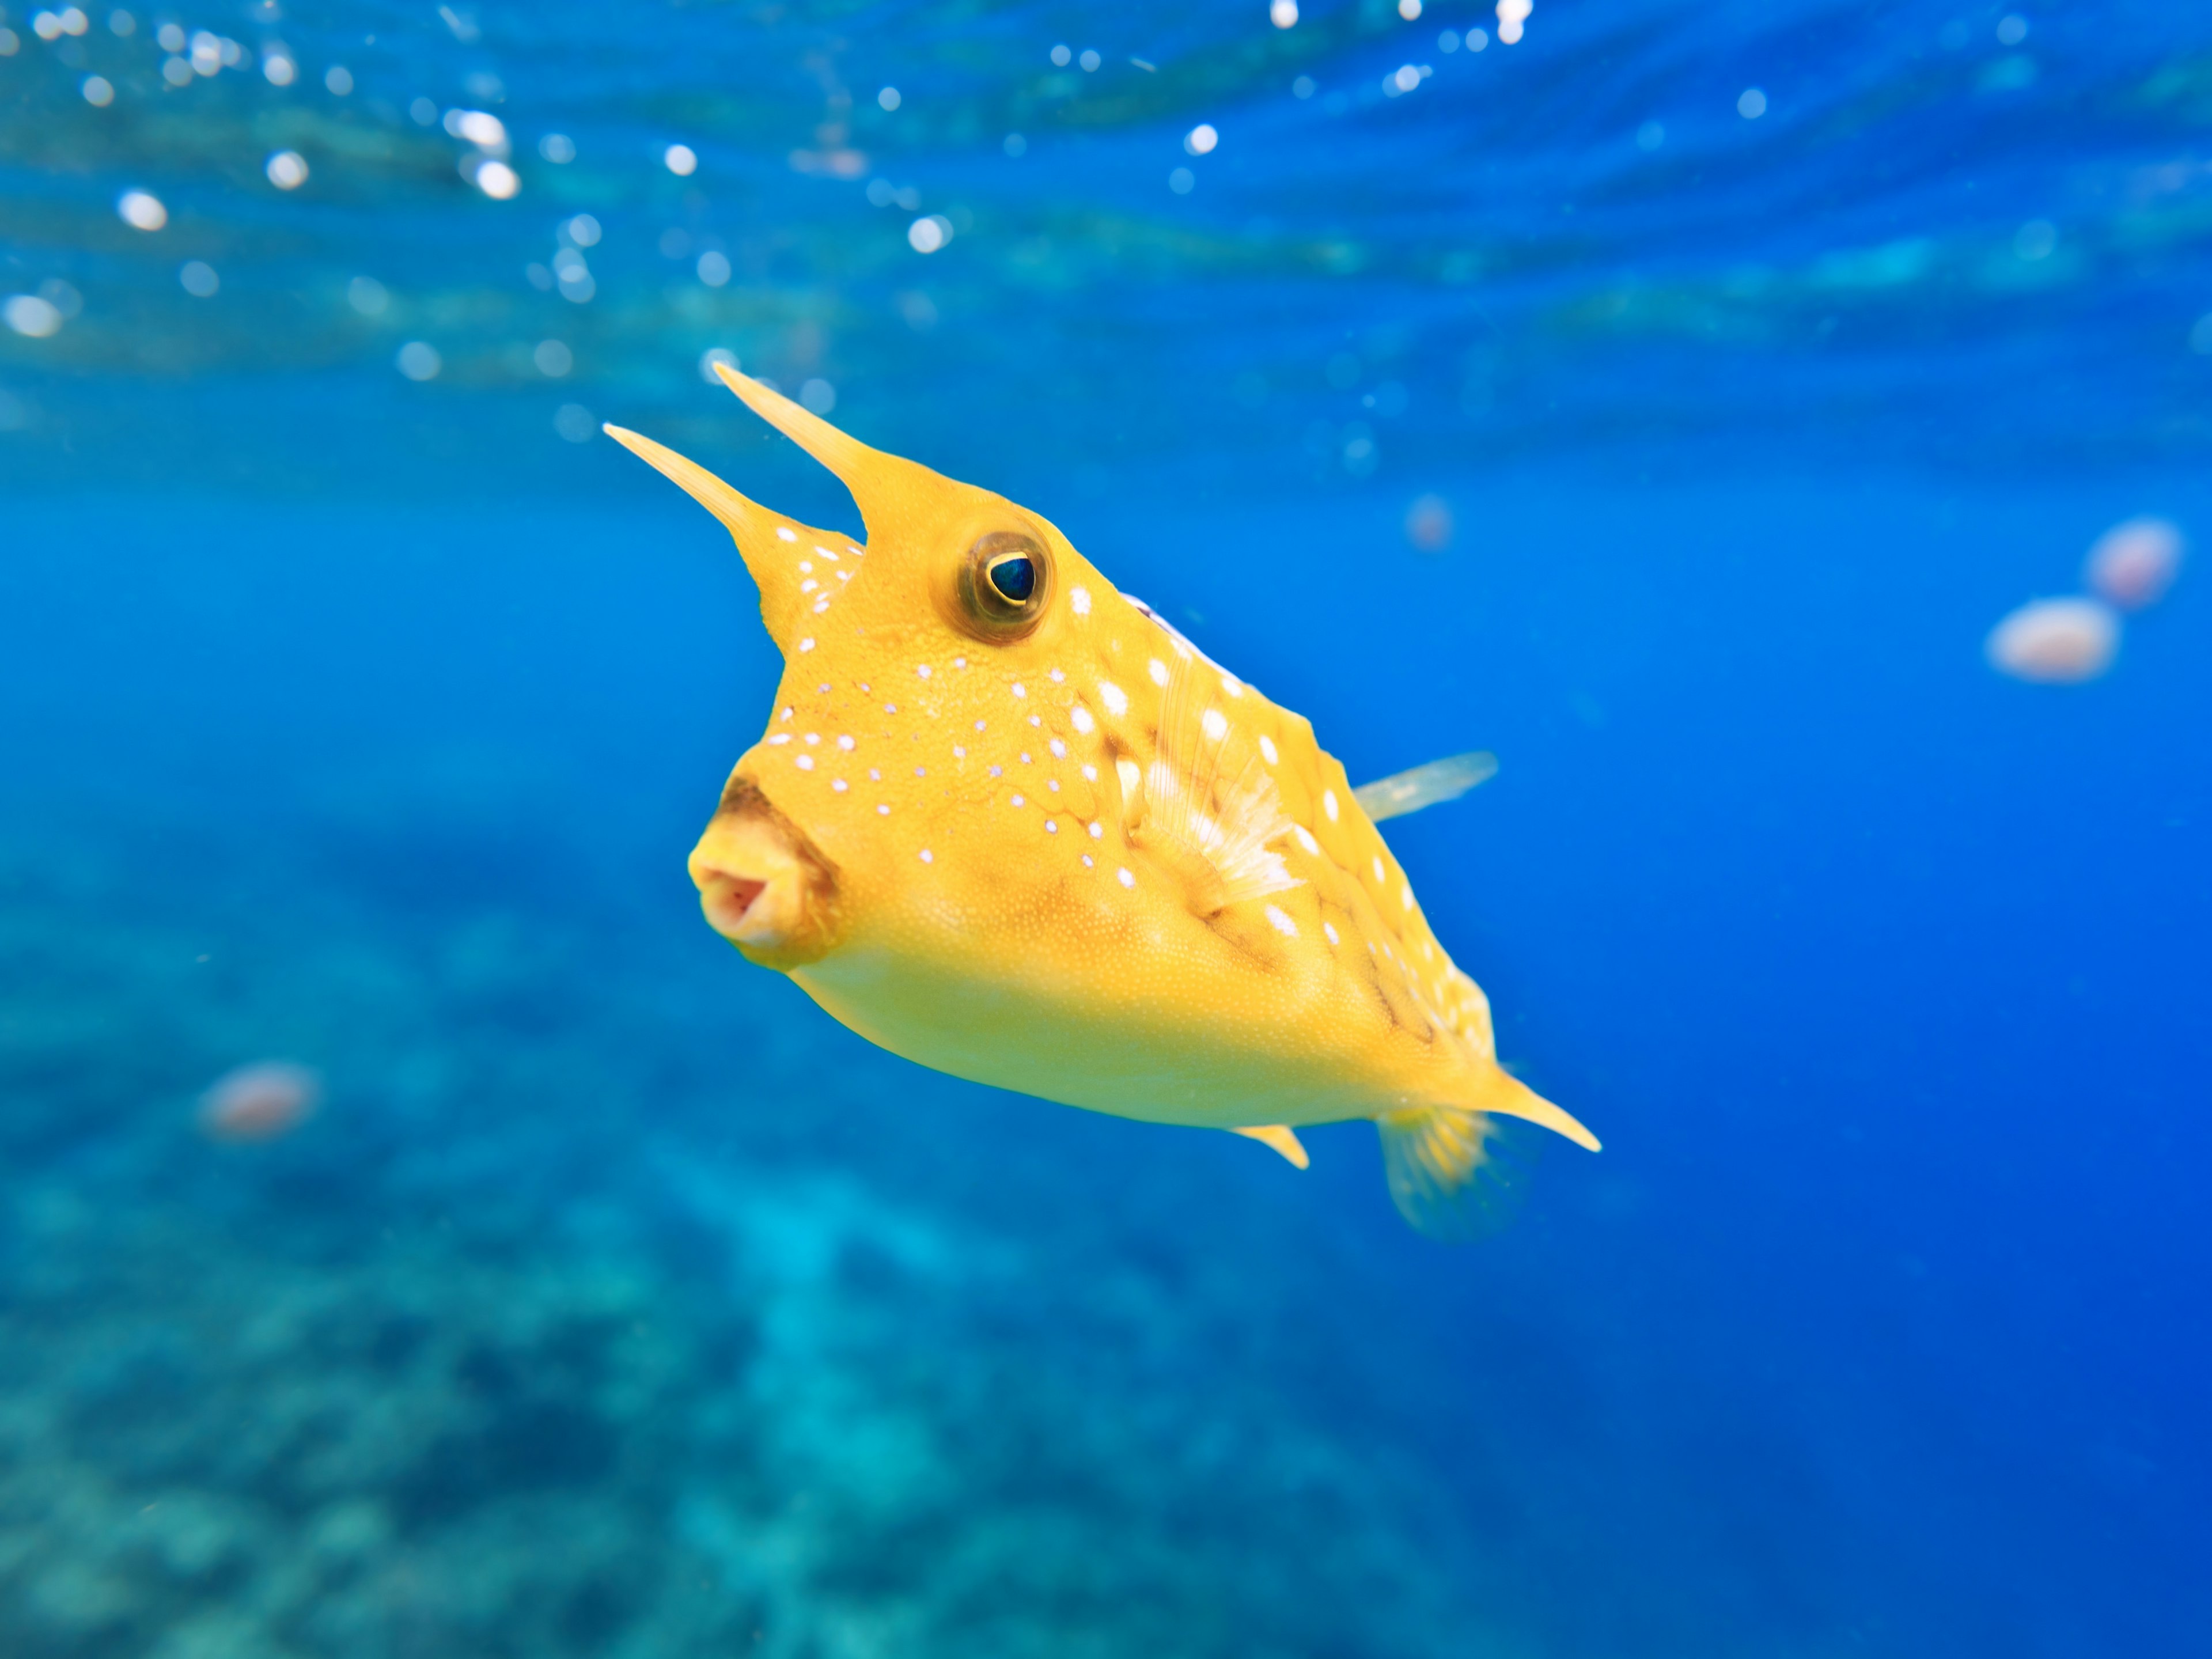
(1280, 1136)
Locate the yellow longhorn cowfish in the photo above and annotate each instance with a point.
(1007, 823)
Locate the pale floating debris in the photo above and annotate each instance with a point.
(818, 396)
(1016, 145)
(1429, 524)
(714, 268)
(423, 112)
(339, 79)
(1282, 14)
(498, 180)
(1089, 60)
(478, 127)
(122, 24)
(553, 358)
(31, 316)
(1751, 104)
(681, 160)
(418, 360)
(2132, 564)
(98, 91)
(141, 209)
(889, 99)
(557, 148)
(573, 421)
(1410, 10)
(277, 66)
(2055, 642)
(462, 23)
(583, 230)
(1201, 139)
(288, 169)
(367, 296)
(1182, 181)
(260, 1101)
(1511, 15)
(716, 357)
(199, 279)
(1651, 136)
(929, 233)
(1061, 57)
(2011, 29)
(1426, 786)
(170, 37)
(11, 44)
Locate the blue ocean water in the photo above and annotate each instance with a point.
(617, 1302)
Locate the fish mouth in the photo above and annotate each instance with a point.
(763, 884)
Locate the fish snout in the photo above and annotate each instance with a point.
(763, 884)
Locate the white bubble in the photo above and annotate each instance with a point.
(557, 148)
(1511, 15)
(482, 129)
(1182, 180)
(98, 91)
(2133, 564)
(121, 23)
(418, 360)
(29, 315)
(1061, 57)
(712, 356)
(573, 421)
(1201, 139)
(553, 358)
(498, 180)
(714, 268)
(279, 69)
(818, 396)
(1409, 10)
(367, 296)
(1282, 14)
(1304, 87)
(177, 71)
(11, 44)
(339, 79)
(1089, 61)
(1448, 41)
(288, 169)
(889, 98)
(141, 209)
(1477, 40)
(199, 279)
(2055, 642)
(680, 160)
(2011, 29)
(1651, 136)
(583, 230)
(1752, 104)
(170, 37)
(928, 234)
(423, 112)
(74, 21)
(1016, 145)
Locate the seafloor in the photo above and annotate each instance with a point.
(544, 1339)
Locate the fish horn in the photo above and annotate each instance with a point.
(772, 559)
(888, 490)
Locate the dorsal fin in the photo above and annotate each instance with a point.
(1424, 786)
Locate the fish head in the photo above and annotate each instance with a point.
(905, 657)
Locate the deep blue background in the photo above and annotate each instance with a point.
(1879, 1325)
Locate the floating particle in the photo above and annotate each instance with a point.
(418, 360)
(1511, 15)
(1089, 61)
(288, 169)
(1429, 524)
(713, 358)
(339, 79)
(261, 1101)
(278, 68)
(32, 316)
(1409, 10)
(367, 296)
(98, 91)
(553, 358)
(1201, 139)
(199, 279)
(2055, 642)
(557, 148)
(1016, 145)
(2132, 564)
(680, 160)
(927, 236)
(1183, 181)
(141, 210)
(498, 180)
(1750, 105)
(889, 98)
(478, 127)
(122, 24)
(583, 230)
(818, 396)
(573, 421)
(1284, 14)
(714, 268)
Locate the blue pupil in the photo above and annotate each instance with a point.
(1015, 578)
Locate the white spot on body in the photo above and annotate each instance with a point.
(927, 857)
(1158, 671)
(821, 604)
(1059, 749)
(1116, 699)
(813, 739)
(1128, 770)
(1098, 830)
(1051, 828)
(1216, 724)
(1305, 838)
(1229, 684)
(1079, 600)
(809, 585)
(1056, 676)
(1018, 801)
(1282, 923)
(958, 753)
(825, 552)
(845, 743)
(1378, 870)
(1087, 863)
(1080, 718)
(1329, 928)
(1125, 878)
(780, 737)
(874, 776)
(785, 532)
(1328, 804)
(804, 763)
(838, 784)
(1091, 774)
(883, 812)
(1019, 690)
(1267, 749)
(807, 645)
(922, 668)
(1405, 897)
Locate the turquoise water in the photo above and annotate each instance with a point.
(617, 1302)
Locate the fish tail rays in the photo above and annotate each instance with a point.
(1455, 1169)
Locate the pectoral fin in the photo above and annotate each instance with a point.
(1282, 1138)
(1424, 786)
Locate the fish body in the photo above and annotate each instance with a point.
(1004, 823)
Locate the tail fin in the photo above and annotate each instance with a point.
(1452, 1169)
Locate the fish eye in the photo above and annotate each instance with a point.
(1004, 581)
